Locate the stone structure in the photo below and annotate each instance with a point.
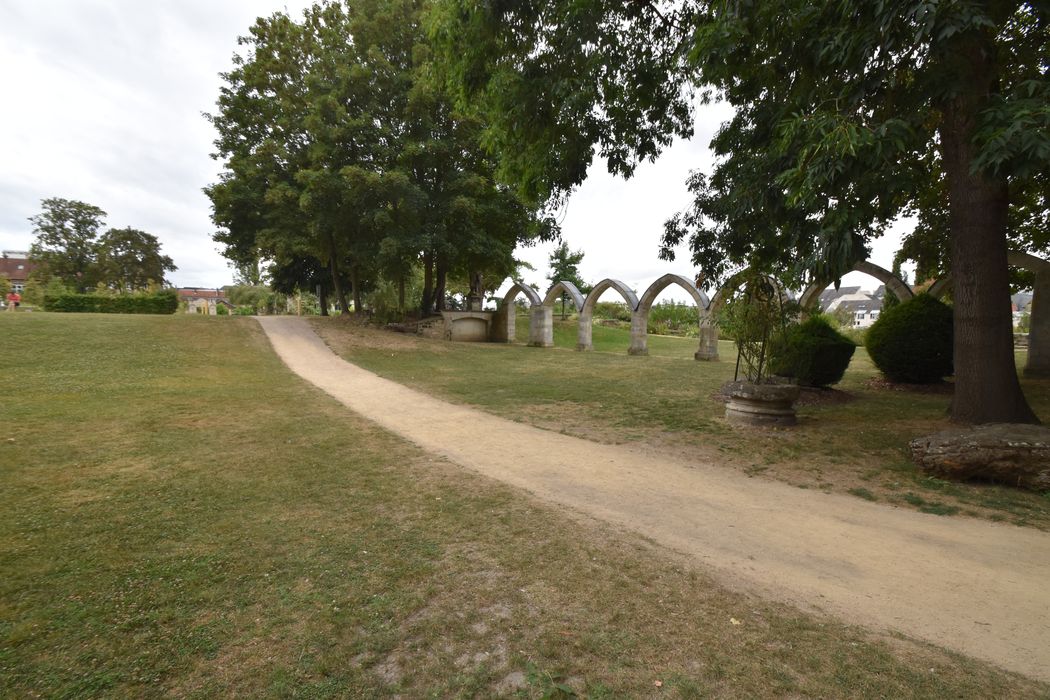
(467, 326)
(761, 404)
(1016, 455)
(500, 327)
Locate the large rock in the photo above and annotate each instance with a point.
(1006, 453)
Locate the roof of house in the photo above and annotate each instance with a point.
(200, 293)
(856, 305)
(15, 268)
(830, 294)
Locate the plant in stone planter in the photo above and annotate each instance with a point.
(756, 319)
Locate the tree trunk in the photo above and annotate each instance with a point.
(428, 283)
(322, 299)
(340, 293)
(401, 294)
(355, 284)
(987, 389)
(440, 279)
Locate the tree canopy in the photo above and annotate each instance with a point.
(338, 149)
(848, 115)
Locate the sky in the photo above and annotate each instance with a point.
(105, 104)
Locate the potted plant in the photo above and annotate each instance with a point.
(756, 319)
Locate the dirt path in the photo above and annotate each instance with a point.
(979, 588)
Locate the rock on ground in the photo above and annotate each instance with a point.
(1006, 453)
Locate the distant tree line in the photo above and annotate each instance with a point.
(69, 250)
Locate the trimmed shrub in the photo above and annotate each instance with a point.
(813, 353)
(163, 302)
(912, 341)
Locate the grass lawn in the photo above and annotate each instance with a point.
(184, 517)
(852, 440)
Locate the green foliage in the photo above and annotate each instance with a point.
(611, 310)
(564, 265)
(69, 249)
(163, 302)
(5, 285)
(253, 299)
(342, 160)
(1024, 323)
(813, 353)
(65, 245)
(384, 300)
(674, 318)
(221, 310)
(129, 260)
(756, 320)
(912, 342)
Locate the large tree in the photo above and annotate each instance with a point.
(337, 148)
(66, 242)
(847, 115)
(130, 260)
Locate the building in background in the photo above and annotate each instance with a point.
(204, 301)
(15, 266)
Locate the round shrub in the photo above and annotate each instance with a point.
(912, 342)
(813, 353)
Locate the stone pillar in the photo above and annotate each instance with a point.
(541, 326)
(583, 335)
(503, 324)
(708, 350)
(639, 326)
(1038, 364)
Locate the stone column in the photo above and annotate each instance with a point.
(503, 324)
(583, 335)
(639, 326)
(708, 350)
(1038, 364)
(541, 326)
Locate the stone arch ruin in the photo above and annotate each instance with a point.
(541, 309)
(583, 333)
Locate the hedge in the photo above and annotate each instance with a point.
(912, 342)
(164, 302)
(813, 353)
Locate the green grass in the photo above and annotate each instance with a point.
(667, 400)
(183, 517)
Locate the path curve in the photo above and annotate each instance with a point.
(976, 587)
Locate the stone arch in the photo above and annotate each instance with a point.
(583, 333)
(649, 297)
(541, 326)
(1038, 362)
(708, 329)
(733, 283)
(640, 317)
(503, 325)
(811, 297)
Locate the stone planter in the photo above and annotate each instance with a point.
(761, 404)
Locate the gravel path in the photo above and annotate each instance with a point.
(979, 588)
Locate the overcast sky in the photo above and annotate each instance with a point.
(104, 101)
